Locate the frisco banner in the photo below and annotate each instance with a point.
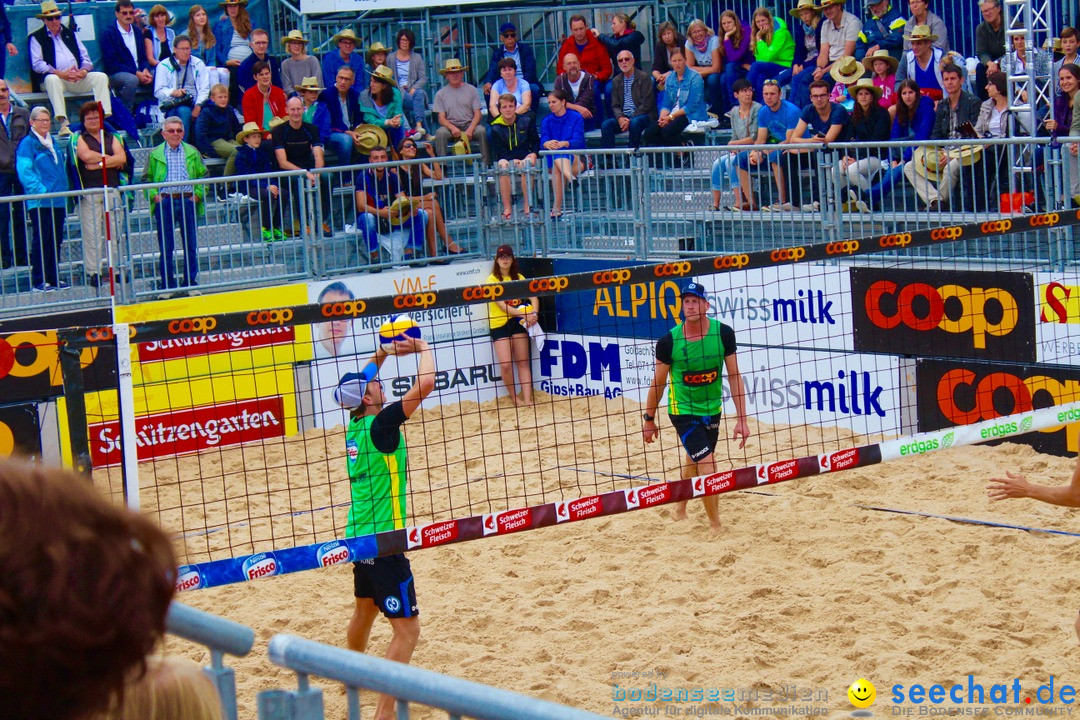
(191, 430)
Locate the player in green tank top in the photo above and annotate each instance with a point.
(688, 363)
(378, 463)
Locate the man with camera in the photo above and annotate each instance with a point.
(182, 84)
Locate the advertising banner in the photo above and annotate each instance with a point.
(1057, 317)
(962, 393)
(20, 430)
(952, 313)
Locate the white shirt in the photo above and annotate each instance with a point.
(129, 40)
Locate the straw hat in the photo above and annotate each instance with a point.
(275, 121)
(346, 34)
(402, 209)
(308, 83)
(868, 61)
(385, 74)
(926, 159)
(847, 70)
(250, 128)
(921, 32)
(294, 36)
(830, 3)
(866, 84)
(461, 146)
(804, 5)
(453, 65)
(224, 3)
(370, 136)
(376, 47)
(49, 10)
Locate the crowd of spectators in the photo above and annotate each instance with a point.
(817, 74)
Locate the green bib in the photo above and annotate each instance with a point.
(377, 481)
(696, 380)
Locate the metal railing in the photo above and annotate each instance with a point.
(459, 698)
(656, 202)
(220, 636)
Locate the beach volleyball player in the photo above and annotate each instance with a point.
(688, 361)
(378, 462)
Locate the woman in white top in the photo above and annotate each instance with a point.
(509, 82)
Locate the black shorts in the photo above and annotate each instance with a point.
(389, 582)
(698, 434)
(512, 327)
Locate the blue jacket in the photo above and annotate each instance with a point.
(115, 55)
(223, 31)
(887, 32)
(920, 128)
(528, 64)
(690, 94)
(328, 98)
(246, 80)
(256, 162)
(332, 62)
(40, 172)
(215, 123)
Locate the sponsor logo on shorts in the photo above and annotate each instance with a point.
(553, 284)
(698, 379)
(608, 277)
(270, 317)
(731, 262)
(839, 460)
(843, 247)
(334, 552)
(392, 604)
(788, 254)
(676, 269)
(260, 566)
(188, 325)
(414, 300)
(895, 240)
(947, 233)
(189, 578)
(349, 308)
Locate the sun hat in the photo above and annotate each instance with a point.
(868, 61)
(847, 70)
(250, 128)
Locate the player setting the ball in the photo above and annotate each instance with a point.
(377, 463)
(688, 361)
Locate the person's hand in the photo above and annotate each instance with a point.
(455, 132)
(551, 145)
(872, 49)
(897, 163)
(274, 191)
(1012, 486)
(487, 88)
(729, 33)
(12, 50)
(232, 63)
(157, 198)
(312, 179)
(942, 158)
(407, 346)
(742, 429)
(467, 132)
(649, 431)
(586, 113)
(992, 67)
(819, 73)
(353, 134)
(595, 32)
(178, 92)
(1050, 124)
(196, 110)
(755, 157)
(664, 120)
(661, 82)
(145, 77)
(624, 123)
(847, 161)
(796, 69)
(1074, 149)
(394, 121)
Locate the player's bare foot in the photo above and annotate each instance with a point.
(679, 514)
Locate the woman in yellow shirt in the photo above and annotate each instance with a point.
(509, 321)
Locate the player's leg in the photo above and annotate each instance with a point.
(519, 350)
(686, 472)
(707, 466)
(402, 644)
(506, 365)
(363, 618)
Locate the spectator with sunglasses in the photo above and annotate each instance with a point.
(522, 55)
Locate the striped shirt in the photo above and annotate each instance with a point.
(176, 170)
(628, 96)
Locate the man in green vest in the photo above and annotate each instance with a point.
(688, 360)
(378, 464)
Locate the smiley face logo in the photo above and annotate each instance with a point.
(861, 693)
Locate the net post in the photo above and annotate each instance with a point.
(75, 391)
(126, 401)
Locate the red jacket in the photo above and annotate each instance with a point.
(595, 59)
(252, 104)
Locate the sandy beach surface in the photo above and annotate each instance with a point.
(800, 594)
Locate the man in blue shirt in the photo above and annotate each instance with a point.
(521, 53)
(820, 122)
(776, 120)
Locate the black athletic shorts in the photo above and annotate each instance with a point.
(512, 327)
(697, 434)
(389, 582)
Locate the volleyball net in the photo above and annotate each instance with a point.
(223, 425)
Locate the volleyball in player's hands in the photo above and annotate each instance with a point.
(399, 328)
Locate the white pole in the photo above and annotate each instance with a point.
(127, 414)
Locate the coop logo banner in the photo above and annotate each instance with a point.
(191, 430)
(1057, 323)
(944, 313)
(955, 393)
